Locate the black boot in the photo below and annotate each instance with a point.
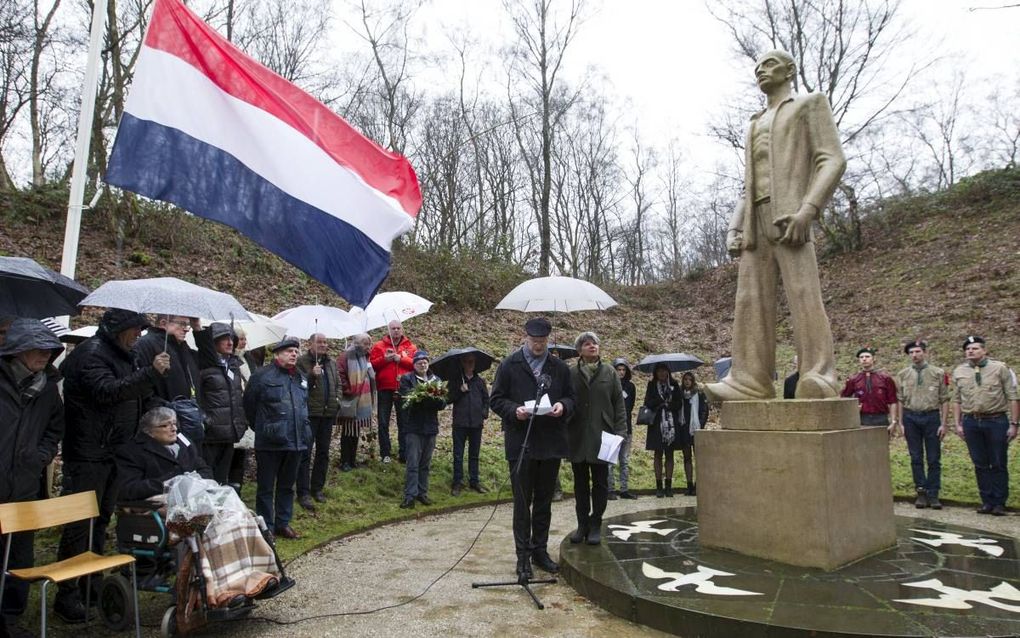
(594, 532)
(669, 488)
(658, 489)
(580, 533)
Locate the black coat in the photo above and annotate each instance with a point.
(629, 397)
(685, 403)
(276, 405)
(104, 398)
(653, 441)
(324, 390)
(181, 378)
(220, 390)
(469, 408)
(515, 383)
(31, 419)
(423, 416)
(143, 465)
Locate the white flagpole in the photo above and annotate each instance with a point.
(81, 151)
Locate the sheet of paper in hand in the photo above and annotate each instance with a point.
(544, 407)
(610, 448)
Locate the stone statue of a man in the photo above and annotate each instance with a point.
(794, 162)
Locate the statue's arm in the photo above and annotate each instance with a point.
(735, 231)
(827, 152)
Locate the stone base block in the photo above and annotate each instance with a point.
(809, 498)
(796, 414)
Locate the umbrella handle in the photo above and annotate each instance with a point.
(166, 336)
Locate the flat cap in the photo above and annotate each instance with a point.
(973, 339)
(419, 355)
(538, 327)
(286, 342)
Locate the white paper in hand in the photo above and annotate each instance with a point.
(610, 448)
(544, 407)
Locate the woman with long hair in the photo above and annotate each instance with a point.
(693, 415)
(662, 396)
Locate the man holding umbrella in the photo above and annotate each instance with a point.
(526, 375)
(470, 398)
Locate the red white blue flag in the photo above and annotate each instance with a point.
(213, 131)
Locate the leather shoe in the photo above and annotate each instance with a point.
(424, 499)
(523, 569)
(579, 535)
(612, 496)
(627, 495)
(69, 608)
(594, 534)
(985, 509)
(543, 561)
(287, 532)
(306, 502)
(998, 510)
(456, 489)
(320, 497)
(407, 504)
(934, 503)
(921, 501)
(481, 489)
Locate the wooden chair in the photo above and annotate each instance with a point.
(30, 516)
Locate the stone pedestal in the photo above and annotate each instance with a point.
(799, 482)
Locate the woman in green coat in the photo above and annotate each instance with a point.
(600, 408)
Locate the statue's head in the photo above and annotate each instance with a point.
(774, 69)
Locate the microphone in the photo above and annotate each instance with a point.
(544, 381)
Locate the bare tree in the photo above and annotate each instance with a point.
(675, 190)
(15, 39)
(543, 37)
(1002, 112)
(944, 135)
(40, 84)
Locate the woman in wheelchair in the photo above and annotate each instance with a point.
(157, 453)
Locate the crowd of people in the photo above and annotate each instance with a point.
(136, 410)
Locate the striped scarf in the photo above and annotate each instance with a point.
(361, 378)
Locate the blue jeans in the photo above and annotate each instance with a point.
(921, 429)
(276, 474)
(623, 466)
(419, 461)
(473, 437)
(986, 442)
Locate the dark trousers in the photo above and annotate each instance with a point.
(473, 438)
(986, 442)
(16, 591)
(348, 450)
(921, 429)
(389, 403)
(218, 457)
(533, 491)
(875, 419)
(82, 476)
(419, 464)
(275, 475)
(315, 463)
(591, 493)
(238, 466)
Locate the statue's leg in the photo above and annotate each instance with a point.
(812, 335)
(754, 329)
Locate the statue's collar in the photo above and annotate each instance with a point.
(788, 98)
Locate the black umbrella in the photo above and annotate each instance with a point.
(563, 351)
(35, 292)
(675, 361)
(447, 366)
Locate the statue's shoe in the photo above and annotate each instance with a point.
(816, 387)
(724, 391)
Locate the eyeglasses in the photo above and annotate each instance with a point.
(181, 322)
(166, 425)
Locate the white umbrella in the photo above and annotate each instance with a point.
(556, 294)
(167, 295)
(304, 321)
(262, 331)
(387, 306)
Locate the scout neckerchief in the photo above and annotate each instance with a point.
(977, 369)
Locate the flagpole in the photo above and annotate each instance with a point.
(81, 152)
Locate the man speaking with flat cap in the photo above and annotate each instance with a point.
(526, 375)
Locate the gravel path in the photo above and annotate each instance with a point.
(394, 563)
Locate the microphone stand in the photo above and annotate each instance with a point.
(525, 583)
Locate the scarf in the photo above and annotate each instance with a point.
(977, 370)
(695, 400)
(920, 377)
(29, 384)
(666, 426)
(589, 369)
(534, 362)
(361, 379)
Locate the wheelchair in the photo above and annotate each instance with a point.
(173, 569)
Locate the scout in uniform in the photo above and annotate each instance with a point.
(983, 392)
(875, 390)
(923, 399)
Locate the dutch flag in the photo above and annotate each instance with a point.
(211, 130)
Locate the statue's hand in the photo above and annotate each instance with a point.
(734, 242)
(797, 227)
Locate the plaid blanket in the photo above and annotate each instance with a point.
(236, 559)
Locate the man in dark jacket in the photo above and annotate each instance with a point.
(470, 398)
(221, 397)
(421, 425)
(156, 454)
(168, 335)
(524, 376)
(31, 424)
(105, 392)
(323, 405)
(276, 404)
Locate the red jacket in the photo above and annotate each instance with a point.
(881, 396)
(388, 373)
